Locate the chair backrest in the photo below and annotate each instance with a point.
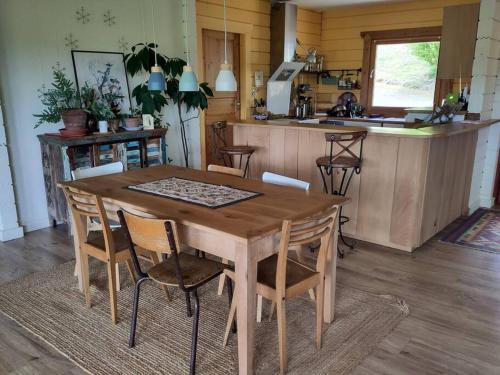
(226, 170)
(154, 234)
(101, 170)
(302, 232)
(277, 179)
(85, 206)
(346, 141)
(218, 137)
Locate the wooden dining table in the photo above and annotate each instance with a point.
(244, 232)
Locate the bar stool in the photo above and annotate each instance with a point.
(224, 152)
(348, 161)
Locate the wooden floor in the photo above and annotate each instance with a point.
(453, 294)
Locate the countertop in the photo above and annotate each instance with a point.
(436, 131)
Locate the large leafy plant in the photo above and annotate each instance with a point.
(60, 97)
(141, 60)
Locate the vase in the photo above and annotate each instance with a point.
(114, 124)
(133, 122)
(103, 126)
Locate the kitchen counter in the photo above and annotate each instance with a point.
(413, 182)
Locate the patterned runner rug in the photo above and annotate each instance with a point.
(49, 305)
(480, 231)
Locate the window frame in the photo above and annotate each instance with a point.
(374, 38)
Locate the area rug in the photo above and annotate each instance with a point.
(480, 231)
(49, 305)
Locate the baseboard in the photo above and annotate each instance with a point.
(11, 234)
(487, 202)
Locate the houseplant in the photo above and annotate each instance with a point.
(101, 109)
(141, 60)
(62, 101)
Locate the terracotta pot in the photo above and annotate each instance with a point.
(114, 124)
(133, 122)
(74, 119)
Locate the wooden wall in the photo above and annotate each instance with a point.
(409, 188)
(341, 27)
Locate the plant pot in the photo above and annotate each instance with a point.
(114, 124)
(103, 126)
(133, 122)
(74, 119)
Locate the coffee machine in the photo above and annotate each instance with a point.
(304, 102)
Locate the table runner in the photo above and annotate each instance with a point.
(196, 192)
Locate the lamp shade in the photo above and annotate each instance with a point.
(156, 80)
(225, 80)
(188, 81)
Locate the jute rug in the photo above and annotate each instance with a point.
(480, 231)
(49, 305)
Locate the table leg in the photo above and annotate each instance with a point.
(246, 279)
(331, 277)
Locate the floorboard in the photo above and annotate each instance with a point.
(453, 294)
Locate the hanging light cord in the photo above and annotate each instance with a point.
(225, 33)
(186, 30)
(154, 32)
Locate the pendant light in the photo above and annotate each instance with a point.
(156, 80)
(188, 81)
(225, 80)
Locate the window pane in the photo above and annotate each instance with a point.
(405, 74)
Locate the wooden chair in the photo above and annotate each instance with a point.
(226, 170)
(224, 152)
(107, 245)
(182, 270)
(280, 278)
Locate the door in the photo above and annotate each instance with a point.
(224, 106)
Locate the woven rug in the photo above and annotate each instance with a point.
(49, 305)
(480, 231)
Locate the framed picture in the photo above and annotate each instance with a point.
(104, 71)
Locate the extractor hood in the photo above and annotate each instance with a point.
(283, 33)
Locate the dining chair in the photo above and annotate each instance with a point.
(277, 179)
(180, 269)
(106, 245)
(280, 278)
(93, 223)
(110, 168)
(226, 170)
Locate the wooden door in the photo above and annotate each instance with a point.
(224, 105)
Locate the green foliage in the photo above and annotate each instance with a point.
(142, 59)
(60, 97)
(428, 52)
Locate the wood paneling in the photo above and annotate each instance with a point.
(458, 41)
(409, 187)
(341, 42)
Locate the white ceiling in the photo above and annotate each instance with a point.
(325, 4)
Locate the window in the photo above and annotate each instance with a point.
(401, 68)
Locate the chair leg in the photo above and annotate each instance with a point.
(131, 272)
(311, 294)
(133, 321)
(84, 269)
(281, 312)
(230, 295)
(320, 301)
(112, 290)
(222, 279)
(230, 320)
(117, 279)
(194, 335)
(259, 308)
(188, 305)
(156, 258)
(271, 310)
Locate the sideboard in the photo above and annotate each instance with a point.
(135, 149)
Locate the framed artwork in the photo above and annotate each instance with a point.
(104, 71)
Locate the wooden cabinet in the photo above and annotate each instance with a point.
(136, 149)
(458, 41)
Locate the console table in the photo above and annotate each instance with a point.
(135, 149)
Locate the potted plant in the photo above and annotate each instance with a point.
(101, 109)
(133, 120)
(142, 59)
(62, 101)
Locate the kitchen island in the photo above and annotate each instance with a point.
(413, 182)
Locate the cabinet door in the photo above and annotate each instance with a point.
(458, 41)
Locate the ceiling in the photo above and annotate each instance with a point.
(324, 4)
